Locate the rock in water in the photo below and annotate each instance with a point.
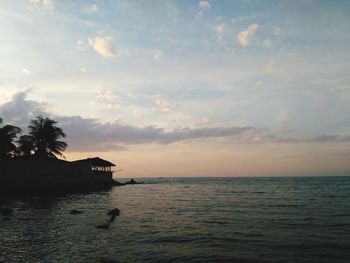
(6, 211)
(114, 212)
(75, 212)
(111, 219)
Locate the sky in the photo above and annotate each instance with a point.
(185, 88)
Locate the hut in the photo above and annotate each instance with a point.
(96, 166)
(56, 174)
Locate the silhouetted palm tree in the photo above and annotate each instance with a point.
(45, 137)
(25, 145)
(7, 135)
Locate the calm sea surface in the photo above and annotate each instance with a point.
(186, 220)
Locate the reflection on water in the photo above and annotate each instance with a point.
(186, 220)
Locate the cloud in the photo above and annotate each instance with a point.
(48, 3)
(88, 134)
(157, 54)
(80, 44)
(220, 30)
(132, 96)
(321, 138)
(84, 134)
(34, 2)
(204, 121)
(82, 70)
(238, 19)
(259, 83)
(91, 8)
(108, 96)
(105, 100)
(18, 110)
(271, 68)
(244, 37)
(161, 104)
(26, 71)
(45, 3)
(276, 31)
(103, 46)
(203, 6)
(267, 43)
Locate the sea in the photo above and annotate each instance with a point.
(277, 219)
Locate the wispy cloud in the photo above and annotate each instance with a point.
(26, 71)
(259, 83)
(276, 31)
(244, 38)
(80, 44)
(220, 30)
(203, 6)
(237, 19)
(320, 138)
(204, 121)
(45, 3)
(91, 8)
(161, 104)
(105, 100)
(131, 96)
(103, 46)
(272, 67)
(48, 3)
(157, 54)
(34, 2)
(267, 43)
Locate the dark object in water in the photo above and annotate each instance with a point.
(75, 212)
(132, 181)
(114, 212)
(111, 219)
(106, 226)
(6, 211)
(116, 183)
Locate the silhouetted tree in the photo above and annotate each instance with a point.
(45, 136)
(25, 146)
(8, 133)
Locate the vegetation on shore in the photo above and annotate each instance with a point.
(43, 140)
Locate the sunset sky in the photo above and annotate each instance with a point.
(185, 88)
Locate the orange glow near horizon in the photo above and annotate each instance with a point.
(199, 159)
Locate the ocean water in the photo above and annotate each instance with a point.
(185, 220)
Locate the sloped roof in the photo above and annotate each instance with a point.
(96, 161)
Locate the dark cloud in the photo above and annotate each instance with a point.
(19, 109)
(86, 134)
(322, 138)
(330, 138)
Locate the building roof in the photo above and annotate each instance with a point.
(96, 161)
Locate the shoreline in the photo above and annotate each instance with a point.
(19, 188)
